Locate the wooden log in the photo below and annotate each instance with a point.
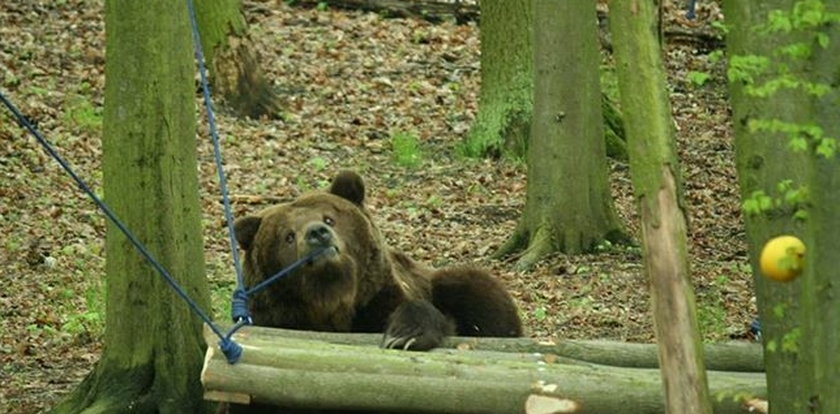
(307, 373)
(733, 356)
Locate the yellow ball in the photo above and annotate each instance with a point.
(782, 258)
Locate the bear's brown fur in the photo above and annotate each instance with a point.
(360, 284)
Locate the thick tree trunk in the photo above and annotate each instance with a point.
(568, 206)
(655, 172)
(764, 160)
(153, 344)
(505, 100)
(313, 374)
(820, 300)
(735, 356)
(230, 53)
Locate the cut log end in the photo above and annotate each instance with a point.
(541, 404)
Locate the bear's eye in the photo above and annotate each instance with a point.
(329, 221)
(290, 238)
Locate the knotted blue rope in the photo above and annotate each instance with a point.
(239, 301)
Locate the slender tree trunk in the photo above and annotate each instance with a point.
(763, 161)
(568, 206)
(313, 374)
(656, 180)
(506, 97)
(153, 344)
(230, 53)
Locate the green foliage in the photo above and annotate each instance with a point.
(92, 320)
(711, 318)
(540, 313)
(799, 135)
(698, 78)
(406, 149)
(322, 6)
(764, 76)
(790, 340)
(318, 163)
(83, 114)
(789, 196)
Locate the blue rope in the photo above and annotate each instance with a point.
(262, 285)
(689, 13)
(239, 301)
(233, 348)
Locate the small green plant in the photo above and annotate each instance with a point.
(322, 6)
(318, 163)
(698, 78)
(711, 316)
(435, 201)
(83, 114)
(92, 320)
(406, 149)
(540, 313)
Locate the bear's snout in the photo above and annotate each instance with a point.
(318, 235)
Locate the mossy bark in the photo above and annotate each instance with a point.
(654, 169)
(231, 56)
(505, 102)
(152, 356)
(763, 161)
(568, 206)
(820, 295)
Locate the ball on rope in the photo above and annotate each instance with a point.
(782, 258)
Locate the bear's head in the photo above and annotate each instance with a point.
(330, 283)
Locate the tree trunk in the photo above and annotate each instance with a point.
(820, 300)
(312, 374)
(153, 344)
(568, 206)
(230, 54)
(506, 97)
(656, 179)
(736, 356)
(763, 161)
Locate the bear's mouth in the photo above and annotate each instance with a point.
(326, 253)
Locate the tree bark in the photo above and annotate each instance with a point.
(568, 206)
(820, 300)
(763, 160)
(655, 172)
(506, 97)
(153, 344)
(734, 356)
(230, 54)
(313, 374)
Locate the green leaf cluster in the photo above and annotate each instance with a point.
(789, 196)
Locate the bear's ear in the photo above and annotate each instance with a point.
(349, 185)
(246, 229)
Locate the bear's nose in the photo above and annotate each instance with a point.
(318, 235)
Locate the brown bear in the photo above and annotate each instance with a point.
(360, 284)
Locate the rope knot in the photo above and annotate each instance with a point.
(231, 349)
(239, 306)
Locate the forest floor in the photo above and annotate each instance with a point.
(353, 83)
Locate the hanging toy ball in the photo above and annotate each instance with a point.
(782, 258)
